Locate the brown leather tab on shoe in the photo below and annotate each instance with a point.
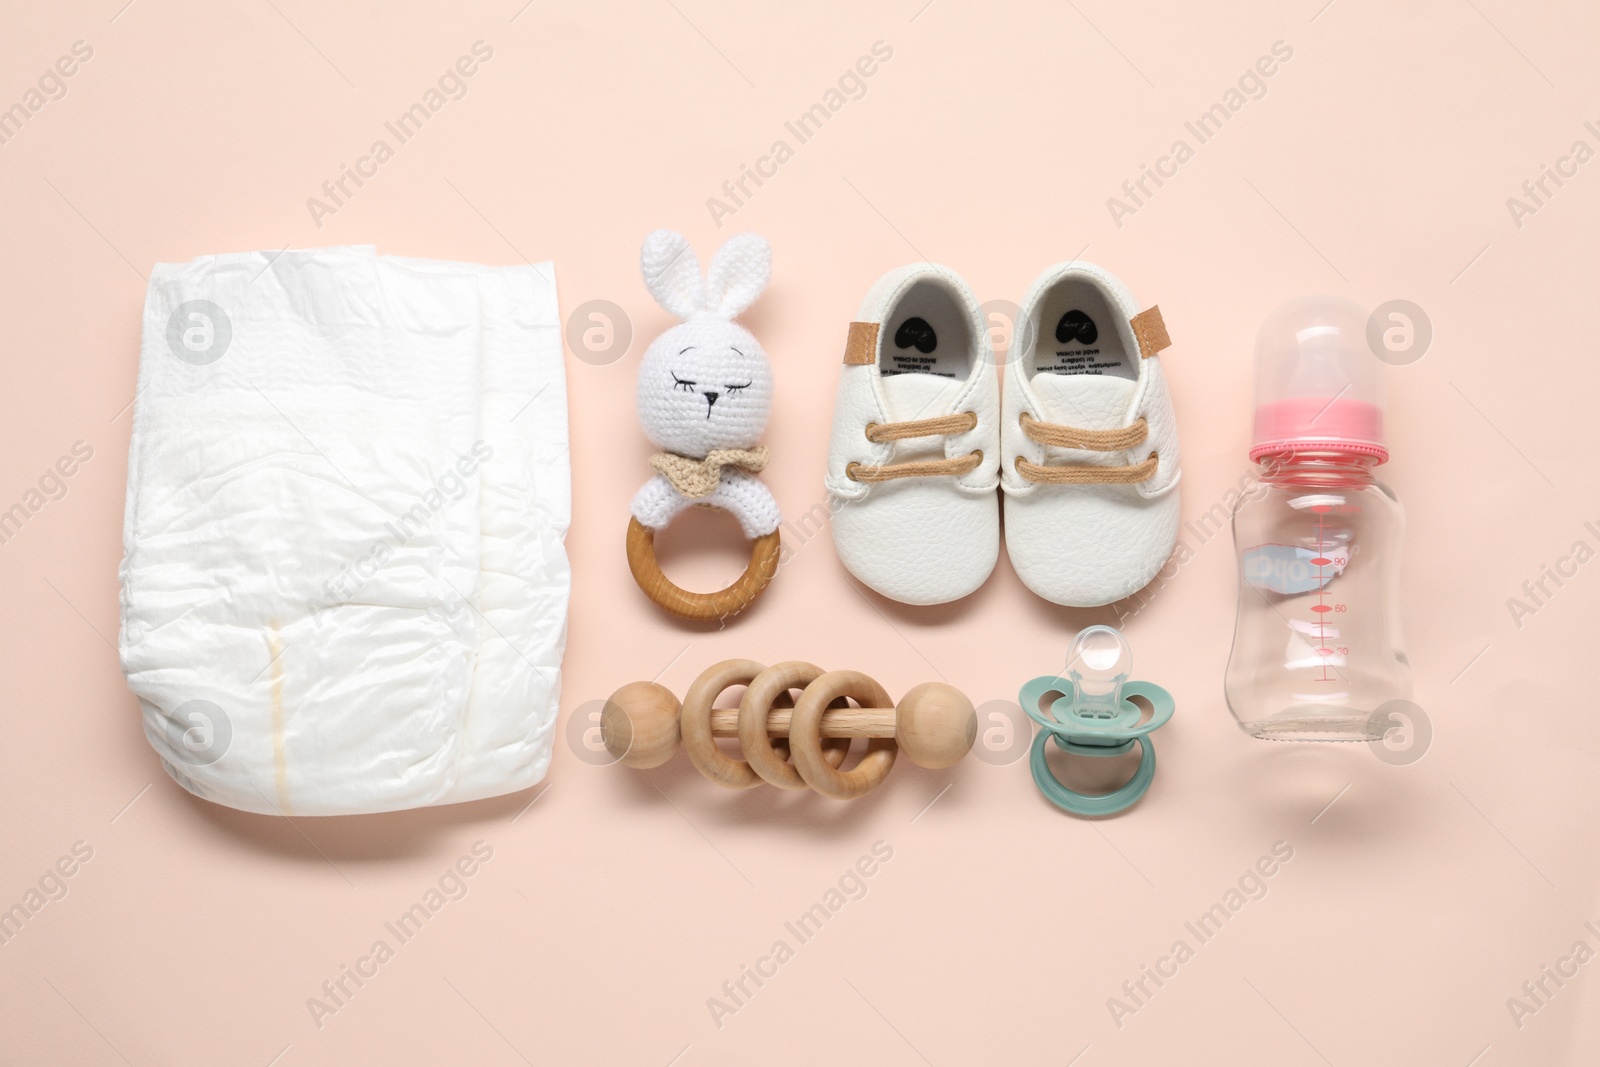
(861, 346)
(1149, 330)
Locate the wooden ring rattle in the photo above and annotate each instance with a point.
(664, 592)
(934, 724)
(701, 747)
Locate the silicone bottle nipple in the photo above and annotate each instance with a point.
(1319, 388)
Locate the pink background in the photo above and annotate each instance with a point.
(1377, 165)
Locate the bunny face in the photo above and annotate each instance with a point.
(704, 384)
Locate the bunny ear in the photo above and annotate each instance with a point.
(739, 271)
(672, 273)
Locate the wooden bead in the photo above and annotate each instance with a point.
(935, 725)
(639, 724)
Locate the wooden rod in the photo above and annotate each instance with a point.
(836, 722)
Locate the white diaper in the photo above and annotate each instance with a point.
(344, 588)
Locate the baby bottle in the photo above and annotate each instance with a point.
(1316, 641)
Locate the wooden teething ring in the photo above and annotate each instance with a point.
(805, 736)
(698, 744)
(757, 704)
(664, 592)
(934, 723)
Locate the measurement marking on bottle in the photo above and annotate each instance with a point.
(1321, 607)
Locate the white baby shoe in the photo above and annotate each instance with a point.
(1089, 445)
(913, 462)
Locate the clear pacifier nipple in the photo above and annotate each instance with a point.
(1099, 660)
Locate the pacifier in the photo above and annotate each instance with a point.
(1089, 711)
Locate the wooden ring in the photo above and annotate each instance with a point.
(805, 736)
(753, 737)
(735, 598)
(695, 724)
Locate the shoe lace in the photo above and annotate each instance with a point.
(940, 426)
(1059, 436)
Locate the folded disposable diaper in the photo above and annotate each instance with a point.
(344, 587)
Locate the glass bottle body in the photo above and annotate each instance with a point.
(1317, 646)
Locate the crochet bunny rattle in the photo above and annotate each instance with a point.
(704, 393)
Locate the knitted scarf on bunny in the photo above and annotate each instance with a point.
(695, 478)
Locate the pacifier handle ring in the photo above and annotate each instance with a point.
(1076, 803)
(661, 590)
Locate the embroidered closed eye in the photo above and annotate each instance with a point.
(682, 383)
(735, 388)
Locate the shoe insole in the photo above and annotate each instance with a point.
(1078, 332)
(926, 333)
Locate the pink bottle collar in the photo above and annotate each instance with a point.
(1316, 424)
